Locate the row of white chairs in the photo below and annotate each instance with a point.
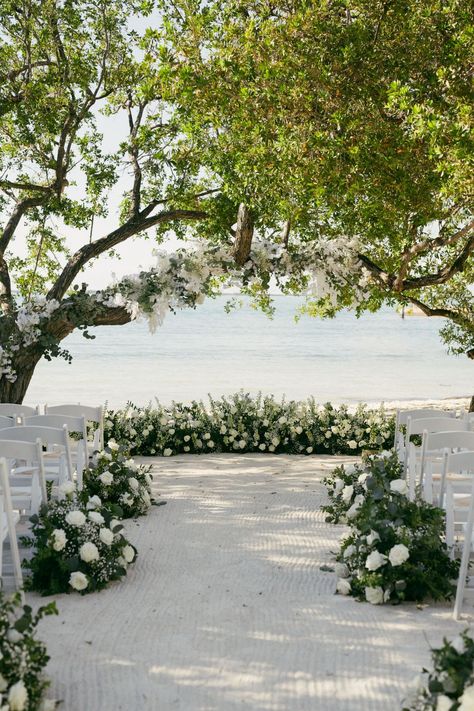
(442, 469)
(36, 449)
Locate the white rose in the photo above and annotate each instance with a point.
(352, 511)
(106, 478)
(350, 550)
(171, 431)
(282, 420)
(275, 441)
(96, 517)
(59, 539)
(223, 429)
(271, 448)
(343, 587)
(359, 499)
(106, 536)
(187, 449)
(309, 450)
(338, 485)
(210, 444)
(167, 452)
(352, 444)
(18, 696)
(398, 554)
(443, 703)
(242, 444)
(186, 438)
(399, 486)
(262, 447)
(374, 595)
(67, 488)
(14, 636)
(114, 523)
(375, 560)
(112, 444)
(126, 499)
(372, 538)
(206, 435)
(299, 429)
(108, 456)
(78, 581)
(163, 421)
(467, 699)
(75, 518)
(89, 552)
(94, 502)
(128, 553)
(347, 493)
(130, 464)
(265, 423)
(341, 570)
(362, 477)
(133, 483)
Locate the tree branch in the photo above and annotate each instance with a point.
(94, 249)
(14, 220)
(445, 274)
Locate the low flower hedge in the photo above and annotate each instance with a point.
(242, 423)
(22, 656)
(395, 550)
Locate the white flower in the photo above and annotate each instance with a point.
(275, 441)
(133, 483)
(210, 444)
(467, 699)
(352, 511)
(443, 703)
(352, 444)
(341, 570)
(78, 581)
(3, 683)
(163, 420)
(374, 595)
(67, 488)
(223, 429)
(398, 554)
(75, 518)
(262, 447)
(372, 538)
(59, 539)
(106, 478)
(206, 435)
(362, 477)
(343, 587)
(106, 536)
(309, 450)
(375, 560)
(112, 444)
(14, 636)
(107, 455)
(350, 550)
(128, 553)
(126, 499)
(282, 420)
(186, 449)
(89, 552)
(399, 486)
(114, 523)
(96, 517)
(338, 485)
(347, 493)
(359, 499)
(167, 452)
(18, 696)
(94, 502)
(186, 438)
(299, 429)
(242, 444)
(130, 464)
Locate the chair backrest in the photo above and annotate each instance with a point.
(91, 414)
(436, 424)
(74, 424)
(459, 523)
(48, 436)
(460, 463)
(421, 414)
(6, 422)
(437, 441)
(8, 530)
(31, 452)
(10, 409)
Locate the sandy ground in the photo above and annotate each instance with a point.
(227, 607)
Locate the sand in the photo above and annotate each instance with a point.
(227, 607)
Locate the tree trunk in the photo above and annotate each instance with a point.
(24, 367)
(471, 406)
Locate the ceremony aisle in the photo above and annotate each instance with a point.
(231, 605)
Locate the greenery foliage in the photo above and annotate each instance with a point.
(242, 423)
(76, 547)
(395, 549)
(449, 685)
(122, 486)
(22, 656)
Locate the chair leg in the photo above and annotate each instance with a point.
(466, 555)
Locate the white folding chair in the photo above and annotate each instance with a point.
(6, 422)
(435, 449)
(460, 513)
(419, 414)
(58, 469)
(92, 414)
(11, 409)
(26, 473)
(79, 454)
(430, 424)
(8, 520)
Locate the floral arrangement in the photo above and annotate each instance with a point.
(76, 547)
(22, 656)
(450, 685)
(242, 423)
(395, 549)
(118, 482)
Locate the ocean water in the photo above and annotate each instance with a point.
(377, 357)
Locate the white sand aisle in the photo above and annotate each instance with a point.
(227, 608)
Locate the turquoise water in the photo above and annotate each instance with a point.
(377, 357)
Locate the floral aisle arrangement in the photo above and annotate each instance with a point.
(242, 423)
(76, 547)
(450, 684)
(118, 482)
(22, 656)
(395, 549)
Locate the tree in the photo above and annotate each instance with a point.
(344, 117)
